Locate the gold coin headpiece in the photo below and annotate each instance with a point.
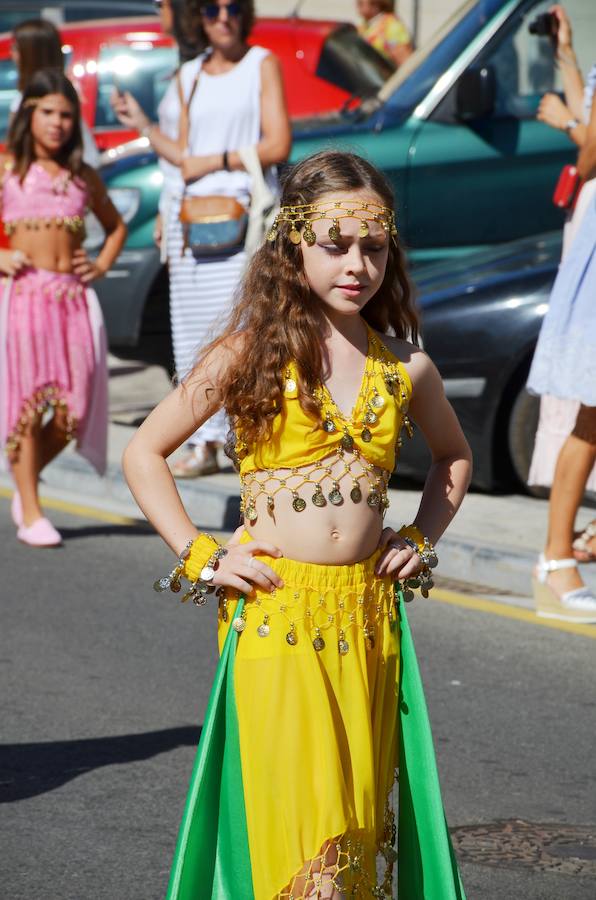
(303, 216)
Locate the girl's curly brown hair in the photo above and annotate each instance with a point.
(279, 318)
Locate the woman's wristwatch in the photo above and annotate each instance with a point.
(570, 124)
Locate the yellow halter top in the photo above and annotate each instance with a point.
(366, 443)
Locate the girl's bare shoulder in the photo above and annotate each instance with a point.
(416, 362)
(221, 356)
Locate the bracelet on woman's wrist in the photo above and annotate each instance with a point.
(570, 125)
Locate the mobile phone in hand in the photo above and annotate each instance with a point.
(118, 88)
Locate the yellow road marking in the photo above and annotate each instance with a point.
(510, 612)
(76, 509)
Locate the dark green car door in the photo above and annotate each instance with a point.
(492, 179)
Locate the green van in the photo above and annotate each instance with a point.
(454, 129)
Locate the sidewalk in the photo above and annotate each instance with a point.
(493, 540)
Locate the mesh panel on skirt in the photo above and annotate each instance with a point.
(315, 679)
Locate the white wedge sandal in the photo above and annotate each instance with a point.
(574, 606)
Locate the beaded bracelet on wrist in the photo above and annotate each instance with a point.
(203, 585)
(413, 537)
(197, 562)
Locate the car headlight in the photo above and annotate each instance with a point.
(126, 201)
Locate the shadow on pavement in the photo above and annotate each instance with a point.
(27, 770)
(140, 529)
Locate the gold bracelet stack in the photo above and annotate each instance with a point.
(414, 538)
(197, 562)
(202, 586)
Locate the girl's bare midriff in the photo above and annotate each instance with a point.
(47, 247)
(332, 535)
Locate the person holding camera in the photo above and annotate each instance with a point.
(563, 370)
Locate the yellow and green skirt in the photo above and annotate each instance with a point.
(316, 708)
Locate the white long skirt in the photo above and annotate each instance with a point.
(201, 297)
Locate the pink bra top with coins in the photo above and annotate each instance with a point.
(42, 200)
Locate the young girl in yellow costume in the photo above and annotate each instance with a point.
(290, 796)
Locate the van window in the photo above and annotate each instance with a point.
(525, 64)
(8, 92)
(145, 72)
(353, 65)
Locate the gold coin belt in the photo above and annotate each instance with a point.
(312, 614)
(73, 224)
(57, 292)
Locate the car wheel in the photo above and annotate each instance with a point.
(521, 432)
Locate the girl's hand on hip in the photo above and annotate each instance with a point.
(552, 111)
(398, 559)
(87, 269)
(242, 570)
(12, 261)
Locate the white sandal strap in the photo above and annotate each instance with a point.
(553, 565)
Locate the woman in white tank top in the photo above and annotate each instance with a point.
(238, 103)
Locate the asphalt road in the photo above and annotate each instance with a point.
(104, 686)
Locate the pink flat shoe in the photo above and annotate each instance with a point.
(16, 509)
(41, 534)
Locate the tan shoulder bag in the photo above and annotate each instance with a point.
(211, 225)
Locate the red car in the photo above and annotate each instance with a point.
(325, 64)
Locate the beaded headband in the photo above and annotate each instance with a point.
(307, 213)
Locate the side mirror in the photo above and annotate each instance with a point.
(476, 93)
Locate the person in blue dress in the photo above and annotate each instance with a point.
(564, 366)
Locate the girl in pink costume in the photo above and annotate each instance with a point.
(52, 348)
